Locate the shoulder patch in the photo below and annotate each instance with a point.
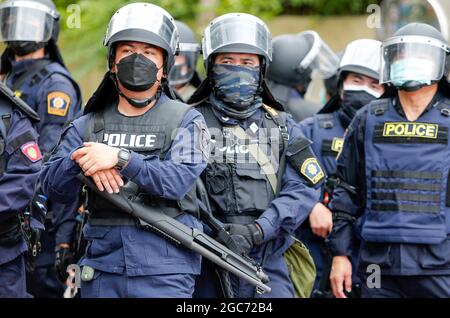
(31, 151)
(312, 170)
(58, 104)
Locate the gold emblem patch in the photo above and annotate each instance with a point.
(416, 130)
(58, 104)
(312, 170)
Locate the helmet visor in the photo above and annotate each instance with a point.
(237, 30)
(184, 68)
(320, 58)
(25, 24)
(398, 13)
(412, 59)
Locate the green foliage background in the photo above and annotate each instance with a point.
(85, 55)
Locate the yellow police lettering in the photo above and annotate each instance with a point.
(388, 129)
(405, 130)
(432, 131)
(421, 130)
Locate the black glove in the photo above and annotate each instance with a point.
(245, 236)
(64, 258)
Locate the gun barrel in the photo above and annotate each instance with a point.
(189, 238)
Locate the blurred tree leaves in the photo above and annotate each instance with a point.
(327, 7)
(83, 49)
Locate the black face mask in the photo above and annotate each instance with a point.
(355, 100)
(137, 73)
(25, 48)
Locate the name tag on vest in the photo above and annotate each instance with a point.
(410, 132)
(332, 147)
(135, 142)
(417, 130)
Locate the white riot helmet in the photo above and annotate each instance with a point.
(362, 57)
(147, 23)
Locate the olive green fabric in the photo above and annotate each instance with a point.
(301, 269)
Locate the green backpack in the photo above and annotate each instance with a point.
(301, 269)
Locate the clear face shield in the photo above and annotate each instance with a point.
(26, 21)
(398, 13)
(185, 64)
(237, 28)
(412, 59)
(321, 59)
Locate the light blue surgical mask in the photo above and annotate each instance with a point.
(411, 69)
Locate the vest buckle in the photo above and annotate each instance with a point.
(328, 125)
(445, 112)
(378, 111)
(284, 132)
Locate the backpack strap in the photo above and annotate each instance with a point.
(31, 73)
(280, 119)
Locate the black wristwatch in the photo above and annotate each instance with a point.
(124, 157)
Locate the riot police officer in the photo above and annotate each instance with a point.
(295, 57)
(34, 69)
(127, 137)
(393, 173)
(260, 202)
(183, 77)
(20, 165)
(358, 85)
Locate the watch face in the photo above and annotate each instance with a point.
(125, 155)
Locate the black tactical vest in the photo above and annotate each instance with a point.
(148, 134)
(5, 123)
(238, 190)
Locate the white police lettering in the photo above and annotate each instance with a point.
(130, 141)
(235, 150)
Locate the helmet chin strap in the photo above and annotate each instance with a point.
(138, 103)
(412, 86)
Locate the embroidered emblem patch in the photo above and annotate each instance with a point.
(31, 151)
(312, 170)
(58, 104)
